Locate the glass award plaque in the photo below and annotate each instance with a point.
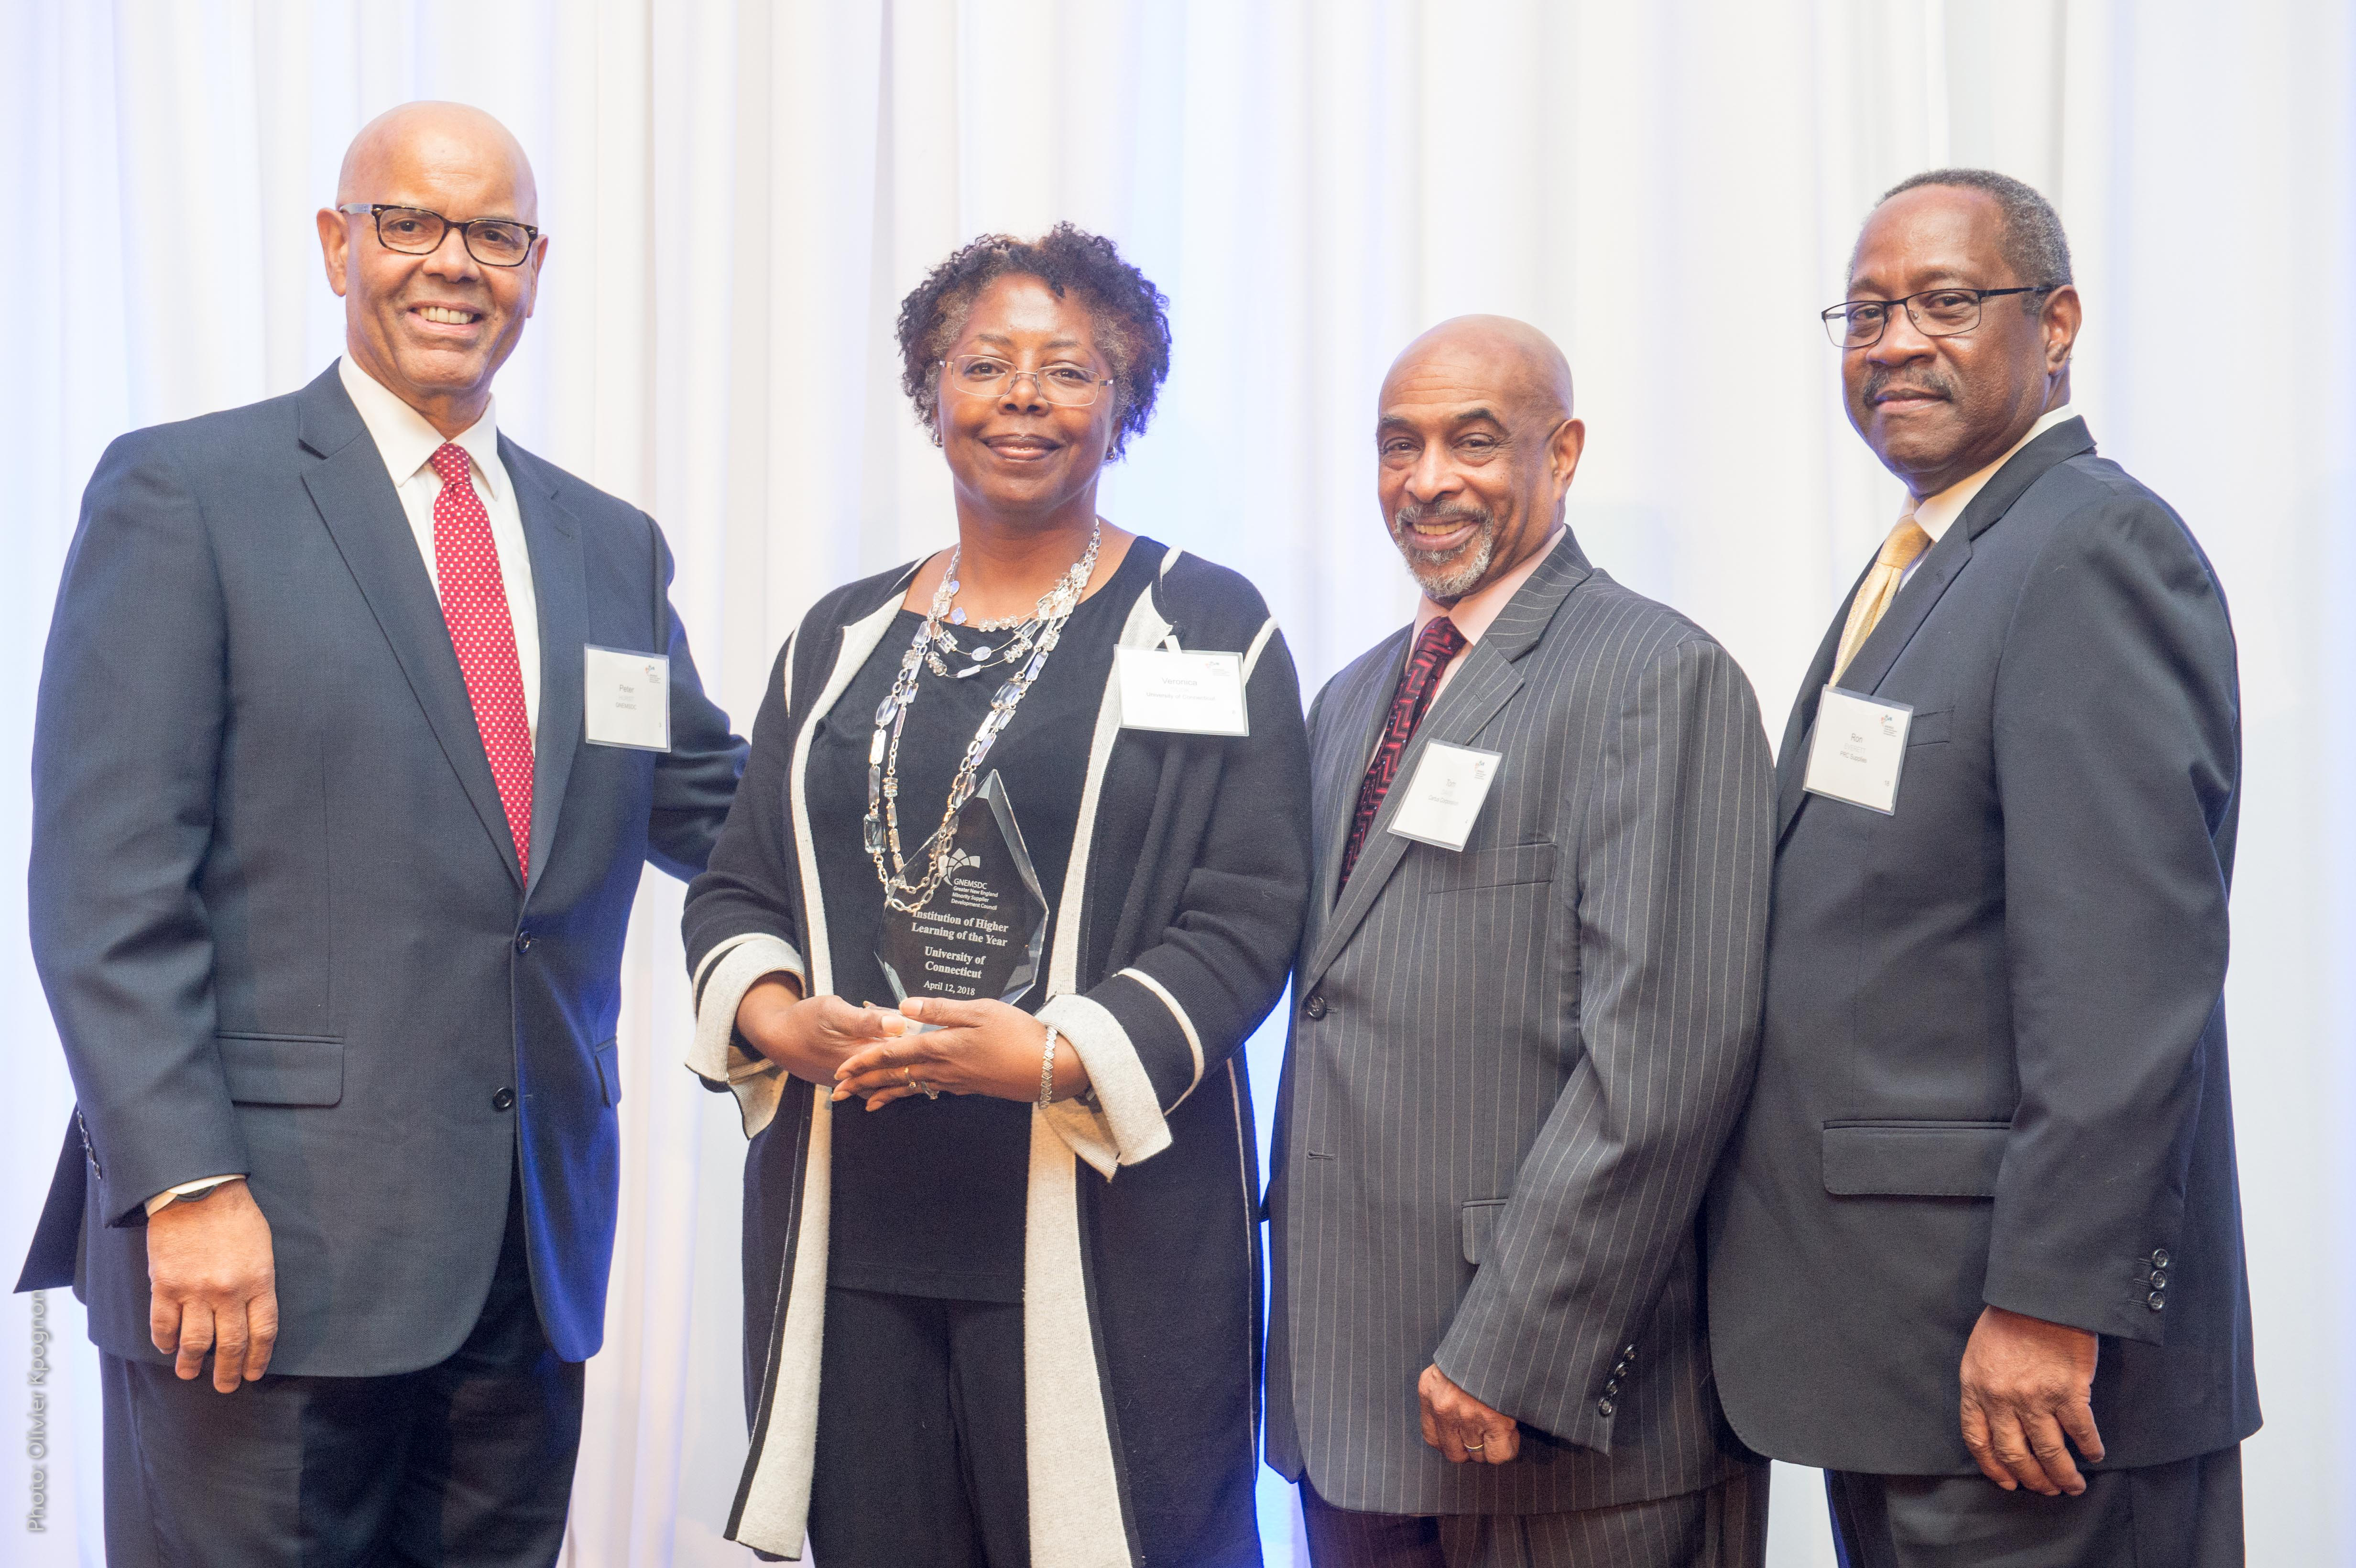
(981, 934)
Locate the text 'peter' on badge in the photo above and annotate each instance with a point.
(1444, 797)
(1182, 693)
(625, 698)
(1859, 750)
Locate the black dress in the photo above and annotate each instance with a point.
(928, 1193)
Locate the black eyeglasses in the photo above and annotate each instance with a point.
(415, 231)
(1936, 312)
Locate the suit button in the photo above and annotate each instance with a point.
(1604, 1406)
(504, 1100)
(1612, 1389)
(2159, 1279)
(2160, 1257)
(2157, 1301)
(1627, 1352)
(1620, 1370)
(523, 941)
(1315, 1006)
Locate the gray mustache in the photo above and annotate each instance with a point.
(1881, 378)
(1409, 516)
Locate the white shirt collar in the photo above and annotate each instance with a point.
(1936, 514)
(1474, 611)
(407, 442)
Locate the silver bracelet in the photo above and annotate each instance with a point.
(1047, 1071)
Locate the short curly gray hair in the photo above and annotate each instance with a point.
(2034, 246)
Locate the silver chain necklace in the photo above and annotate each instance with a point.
(1036, 635)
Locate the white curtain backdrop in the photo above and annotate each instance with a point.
(740, 193)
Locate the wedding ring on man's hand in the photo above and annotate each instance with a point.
(1476, 1447)
(930, 1091)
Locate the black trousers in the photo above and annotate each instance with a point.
(1724, 1526)
(920, 1434)
(466, 1463)
(2184, 1515)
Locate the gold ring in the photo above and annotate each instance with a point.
(904, 1082)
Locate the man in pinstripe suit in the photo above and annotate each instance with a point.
(1523, 1027)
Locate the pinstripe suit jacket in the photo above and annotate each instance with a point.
(1512, 1066)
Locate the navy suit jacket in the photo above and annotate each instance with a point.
(276, 906)
(1993, 1066)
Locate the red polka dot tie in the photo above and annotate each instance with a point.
(474, 603)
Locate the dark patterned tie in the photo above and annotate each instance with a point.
(1439, 643)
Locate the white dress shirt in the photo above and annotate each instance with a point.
(407, 443)
(1934, 515)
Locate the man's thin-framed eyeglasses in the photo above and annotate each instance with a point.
(415, 231)
(1936, 312)
(990, 375)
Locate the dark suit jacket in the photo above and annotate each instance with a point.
(1512, 1066)
(1992, 1070)
(275, 903)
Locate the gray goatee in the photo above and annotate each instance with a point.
(1460, 570)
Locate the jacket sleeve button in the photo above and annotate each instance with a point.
(2160, 1257)
(1604, 1406)
(2157, 1301)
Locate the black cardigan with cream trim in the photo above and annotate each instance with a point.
(1191, 869)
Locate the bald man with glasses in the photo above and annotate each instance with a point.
(356, 725)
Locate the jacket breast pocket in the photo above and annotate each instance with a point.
(1478, 1220)
(1506, 866)
(283, 1068)
(1915, 1159)
(1930, 728)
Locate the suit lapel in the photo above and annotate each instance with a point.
(553, 540)
(1483, 683)
(1358, 726)
(1792, 757)
(356, 500)
(1939, 569)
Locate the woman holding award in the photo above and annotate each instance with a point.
(1018, 863)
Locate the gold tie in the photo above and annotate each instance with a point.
(1906, 541)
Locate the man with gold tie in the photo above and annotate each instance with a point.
(1976, 1249)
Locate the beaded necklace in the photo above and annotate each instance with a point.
(1037, 634)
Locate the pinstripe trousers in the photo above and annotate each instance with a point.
(1724, 1526)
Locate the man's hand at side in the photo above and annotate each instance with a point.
(213, 1286)
(1460, 1426)
(2027, 1384)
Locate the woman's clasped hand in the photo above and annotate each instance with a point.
(971, 1048)
(876, 1053)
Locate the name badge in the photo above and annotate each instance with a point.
(1859, 750)
(1182, 693)
(625, 698)
(1445, 794)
